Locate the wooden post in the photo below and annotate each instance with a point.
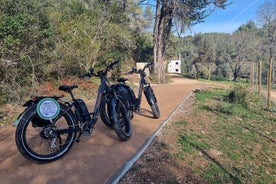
(252, 75)
(260, 77)
(269, 84)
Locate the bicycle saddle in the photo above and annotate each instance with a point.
(67, 88)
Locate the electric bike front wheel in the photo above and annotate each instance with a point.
(126, 95)
(104, 115)
(42, 140)
(151, 99)
(121, 121)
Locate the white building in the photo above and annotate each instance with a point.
(174, 66)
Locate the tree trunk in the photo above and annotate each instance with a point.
(235, 76)
(163, 23)
(209, 73)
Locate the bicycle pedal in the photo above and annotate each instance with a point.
(88, 132)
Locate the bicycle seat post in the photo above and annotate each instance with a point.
(71, 94)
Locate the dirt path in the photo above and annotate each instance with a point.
(95, 159)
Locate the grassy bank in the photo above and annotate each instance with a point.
(219, 136)
(232, 138)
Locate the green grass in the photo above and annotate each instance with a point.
(243, 136)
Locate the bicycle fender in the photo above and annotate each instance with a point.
(28, 103)
(16, 122)
(111, 110)
(18, 119)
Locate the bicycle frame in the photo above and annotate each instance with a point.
(142, 84)
(104, 91)
(146, 88)
(98, 105)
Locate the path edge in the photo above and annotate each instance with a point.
(115, 178)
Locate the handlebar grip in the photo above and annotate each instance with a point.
(112, 64)
(130, 72)
(148, 65)
(89, 74)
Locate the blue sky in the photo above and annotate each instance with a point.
(228, 20)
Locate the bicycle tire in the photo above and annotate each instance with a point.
(126, 95)
(151, 99)
(121, 120)
(104, 116)
(33, 143)
(155, 110)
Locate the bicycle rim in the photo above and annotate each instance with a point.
(45, 143)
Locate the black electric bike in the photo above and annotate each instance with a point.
(129, 97)
(49, 126)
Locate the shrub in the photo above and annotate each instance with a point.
(244, 95)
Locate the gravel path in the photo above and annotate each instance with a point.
(97, 158)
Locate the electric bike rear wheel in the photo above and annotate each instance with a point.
(43, 141)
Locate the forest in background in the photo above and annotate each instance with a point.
(222, 56)
(42, 41)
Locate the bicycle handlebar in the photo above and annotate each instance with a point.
(101, 72)
(110, 66)
(147, 65)
(134, 70)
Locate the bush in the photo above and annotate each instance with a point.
(244, 95)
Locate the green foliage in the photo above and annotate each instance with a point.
(144, 49)
(244, 95)
(204, 95)
(221, 54)
(90, 38)
(24, 30)
(214, 174)
(248, 27)
(26, 39)
(51, 40)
